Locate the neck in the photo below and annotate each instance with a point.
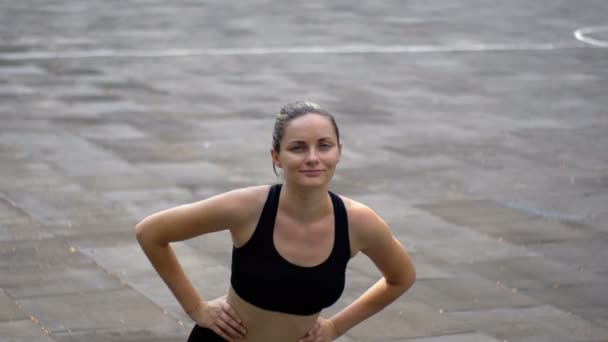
(305, 204)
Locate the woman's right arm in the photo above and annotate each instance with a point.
(157, 231)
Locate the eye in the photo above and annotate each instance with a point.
(296, 148)
(325, 146)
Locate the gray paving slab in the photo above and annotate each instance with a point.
(536, 230)
(531, 324)
(23, 331)
(468, 337)
(34, 281)
(534, 273)
(586, 300)
(588, 254)
(39, 253)
(405, 320)
(126, 335)
(100, 310)
(466, 294)
(140, 203)
(9, 310)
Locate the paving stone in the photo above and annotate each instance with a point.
(103, 167)
(84, 243)
(28, 176)
(142, 203)
(129, 264)
(17, 225)
(404, 319)
(116, 309)
(94, 224)
(23, 331)
(530, 324)
(217, 246)
(132, 180)
(100, 107)
(466, 337)
(153, 151)
(464, 294)
(65, 206)
(35, 281)
(391, 208)
(129, 260)
(477, 250)
(421, 227)
(116, 335)
(537, 273)
(529, 231)
(586, 299)
(590, 255)
(188, 174)
(21, 70)
(9, 310)
(109, 131)
(474, 212)
(428, 270)
(15, 254)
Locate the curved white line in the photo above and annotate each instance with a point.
(581, 34)
(338, 49)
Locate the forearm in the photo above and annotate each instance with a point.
(164, 260)
(371, 302)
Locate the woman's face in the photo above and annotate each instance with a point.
(309, 151)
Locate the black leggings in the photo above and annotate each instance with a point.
(200, 334)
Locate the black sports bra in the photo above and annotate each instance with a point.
(262, 277)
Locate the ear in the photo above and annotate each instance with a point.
(339, 151)
(275, 157)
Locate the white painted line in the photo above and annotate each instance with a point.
(285, 50)
(582, 35)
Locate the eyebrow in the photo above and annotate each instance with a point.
(303, 142)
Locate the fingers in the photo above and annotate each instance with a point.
(312, 335)
(223, 320)
(229, 323)
(232, 326)
(230, 316)
(230, 312)
(228, 332)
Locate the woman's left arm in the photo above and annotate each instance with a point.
(377, 242)
(373, 237)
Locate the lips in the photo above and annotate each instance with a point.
(312, 173)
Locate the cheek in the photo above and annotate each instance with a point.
(293, 160)
(332, 159)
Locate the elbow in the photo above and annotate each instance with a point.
(148, 236)
(408, 280)
(411, 279)
(143, 233)
(139, 232)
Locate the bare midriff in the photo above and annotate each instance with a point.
(269, 326)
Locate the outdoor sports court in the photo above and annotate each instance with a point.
(477, 129)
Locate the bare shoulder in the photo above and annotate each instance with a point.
(365, 225)
(242, 202)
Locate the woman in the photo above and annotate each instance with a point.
(292, 242)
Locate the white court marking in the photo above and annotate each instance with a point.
(583, 33)
(286, 50)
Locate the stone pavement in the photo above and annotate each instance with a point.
(478, 130)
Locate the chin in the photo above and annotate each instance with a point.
(312, 182)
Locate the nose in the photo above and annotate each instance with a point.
(312, 157)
